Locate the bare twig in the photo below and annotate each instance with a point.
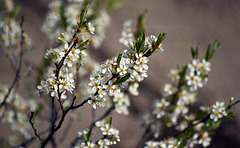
(34, 129)
(18, 68)
(29, 141)
(141, 141)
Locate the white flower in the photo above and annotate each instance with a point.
(133, 89)
(205, 139)
(152, 41)
(121, 103)
(206, 65)
(141, 62)
(182, 125)
(123, 67)
(95, 83)
(127, 33)
(96, 100)
(193, 141)
(194, 81)
(126, 38)
(90, 28)
(151, 144)
(89, 144)
(174, 75)
(169, 143)
(181, 108)
(187, 97)
(159, 108)
(168, 89)
(218, 111)
(113, 90)
(107, 67)
(139, 76)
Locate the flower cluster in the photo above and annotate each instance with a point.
(110, 136)
(56, 85)
(121, 74)
(197, 76)
(218, 111)
(127, 33)
(109, 84)
(64, 15)
(178, 96)
(10, 31)
(168, 143)
(15, 114)
(173, 107)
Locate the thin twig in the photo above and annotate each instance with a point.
(34, 129)
(55, 129)
(27, 142)
(19, 66)
(139, 144)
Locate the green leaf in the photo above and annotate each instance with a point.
(193, 52)
(230, 114)
(119, 57)
(215, 125)
(189, 135)
(161, 37)
(109, 121)
(123, 79)
(15, 11)
(215, 46)
(83, 44)
(196, 51)
(141, 43)
(179, 137)
(113, 5)
(89, 134)
(63, 17)
(39, 109)
(207, 53)
(211, 51)
(141, 24)
(181, 73)
(83, 15)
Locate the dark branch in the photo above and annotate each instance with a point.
(34, 129)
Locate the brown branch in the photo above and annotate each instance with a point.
(19, 66)
(27, 142)
(139, 144)
(55, 129)
(34, 129)
(230, 106)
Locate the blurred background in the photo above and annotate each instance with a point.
(187, 23)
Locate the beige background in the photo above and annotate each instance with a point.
(186, 22)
